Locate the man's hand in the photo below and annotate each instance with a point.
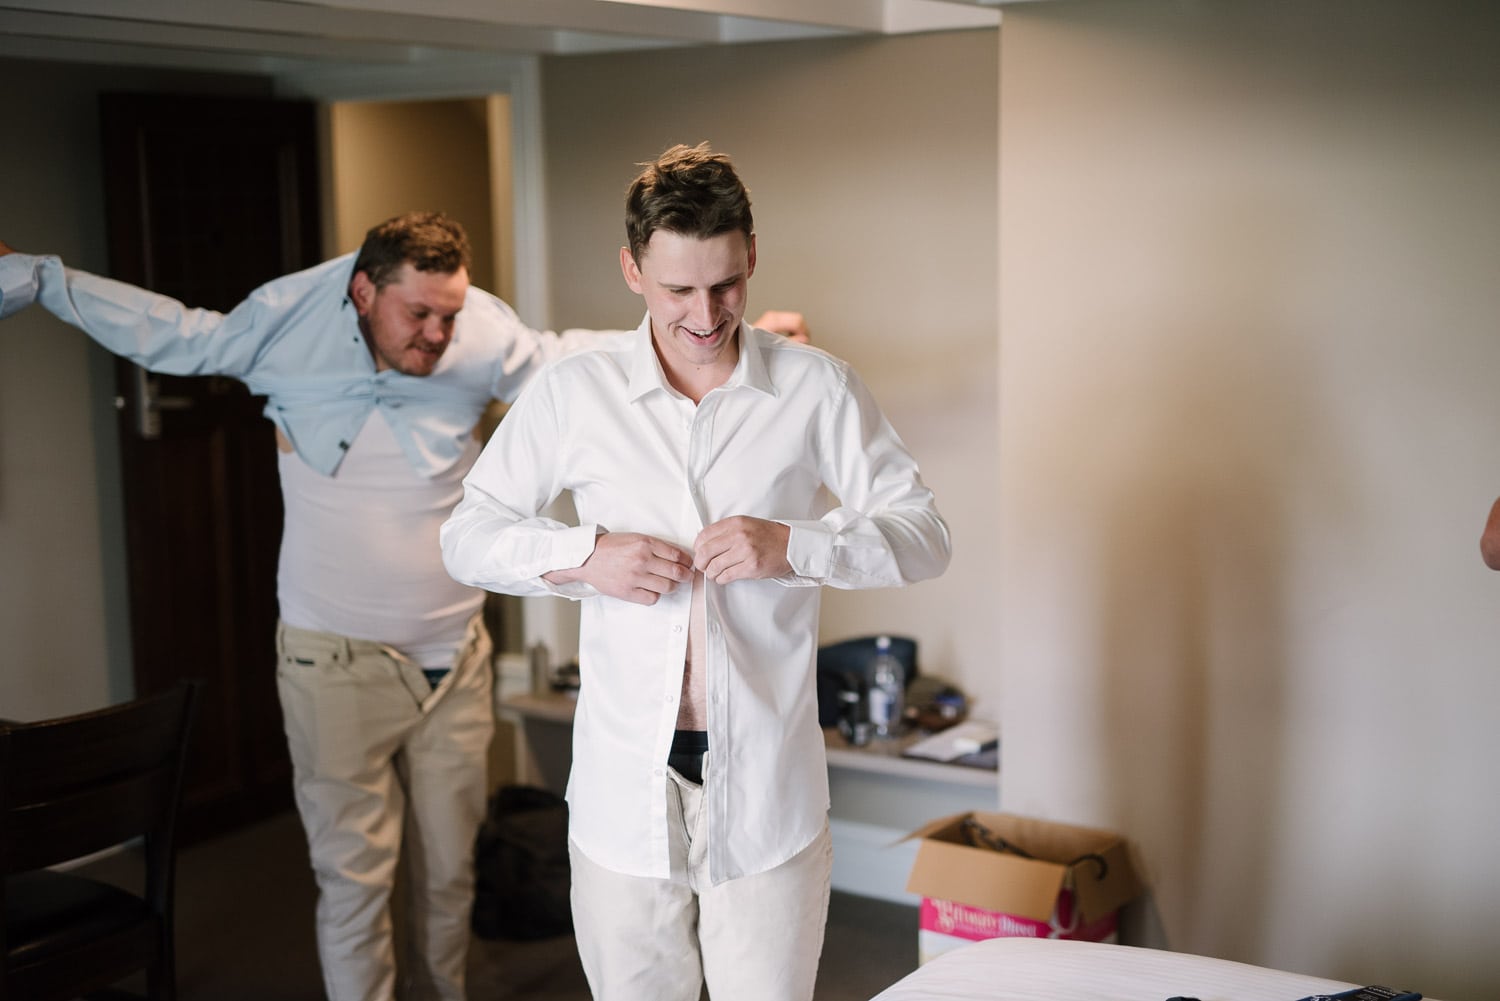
(742, 548)
(630, 566)
(789, 324)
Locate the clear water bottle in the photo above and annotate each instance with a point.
(887, 691)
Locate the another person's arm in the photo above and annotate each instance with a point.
(155, 331)
(788, 323)
(1489, 540)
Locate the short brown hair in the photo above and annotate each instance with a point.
(428, 241)
(688, 190)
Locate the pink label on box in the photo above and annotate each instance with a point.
(947, 917)
(975, 923)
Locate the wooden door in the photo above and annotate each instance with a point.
(206, 199)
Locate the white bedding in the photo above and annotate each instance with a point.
(1029, 969)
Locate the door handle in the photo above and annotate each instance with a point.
(149, 403)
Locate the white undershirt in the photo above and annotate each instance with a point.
(360, 554)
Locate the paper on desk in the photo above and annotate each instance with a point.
(968, 737)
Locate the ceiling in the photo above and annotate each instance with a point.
(287, 36)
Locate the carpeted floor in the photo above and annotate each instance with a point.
(245, 932)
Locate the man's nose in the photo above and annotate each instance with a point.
(435, 330)
(701, 315)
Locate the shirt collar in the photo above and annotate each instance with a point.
(646, 372)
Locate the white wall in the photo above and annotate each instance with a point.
(1249, 308)
(871, 165)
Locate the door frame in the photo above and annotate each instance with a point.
(516, 77)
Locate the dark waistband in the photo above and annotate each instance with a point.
(686, 756)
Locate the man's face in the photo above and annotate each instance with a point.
(695, 291)
(409, 322)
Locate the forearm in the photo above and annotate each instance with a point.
(850, 550)
(155, 331)
(487, 545)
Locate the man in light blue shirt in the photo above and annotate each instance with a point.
(376, 368)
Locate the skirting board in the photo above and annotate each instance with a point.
(872, 861)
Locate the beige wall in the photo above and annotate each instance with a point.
(871, 165)
(391, 157)
(62, 584)
(1248, 343)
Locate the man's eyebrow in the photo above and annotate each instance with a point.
(737, 276)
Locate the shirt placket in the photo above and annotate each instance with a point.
(694, 514)
(680, 420)
(715, 663)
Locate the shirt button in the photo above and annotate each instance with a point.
(676, 629)
(669, 699)
(657, 772)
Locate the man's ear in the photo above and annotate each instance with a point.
(751, 269)
(361, 292)
(630, 271)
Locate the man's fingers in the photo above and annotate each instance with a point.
(636, 568)
(675, 557)
(641, 596)
(741, 548)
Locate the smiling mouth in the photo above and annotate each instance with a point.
(702, 335)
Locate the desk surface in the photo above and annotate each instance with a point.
(882, 757)
(554, 707)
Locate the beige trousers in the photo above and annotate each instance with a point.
(757, 938)
(384, 768)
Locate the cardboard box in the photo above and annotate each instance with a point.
(975, 883)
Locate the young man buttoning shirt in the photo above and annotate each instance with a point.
(697, 453)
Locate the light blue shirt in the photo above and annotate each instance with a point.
(296, 340)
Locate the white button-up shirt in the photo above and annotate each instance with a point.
(793, 436)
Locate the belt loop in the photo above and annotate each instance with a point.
(345, 651)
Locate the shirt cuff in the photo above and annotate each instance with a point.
(809, 549)
(571, 548)
(18, 283)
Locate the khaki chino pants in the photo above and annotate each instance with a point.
(385, 765)
(756, 938)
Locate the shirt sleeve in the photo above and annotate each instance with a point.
(152, 330)
(527, 350)
(497, 537)
(17, 283)
(886, 530)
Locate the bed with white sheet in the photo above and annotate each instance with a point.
(1030, 969)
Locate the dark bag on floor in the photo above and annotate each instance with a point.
(521, 872)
